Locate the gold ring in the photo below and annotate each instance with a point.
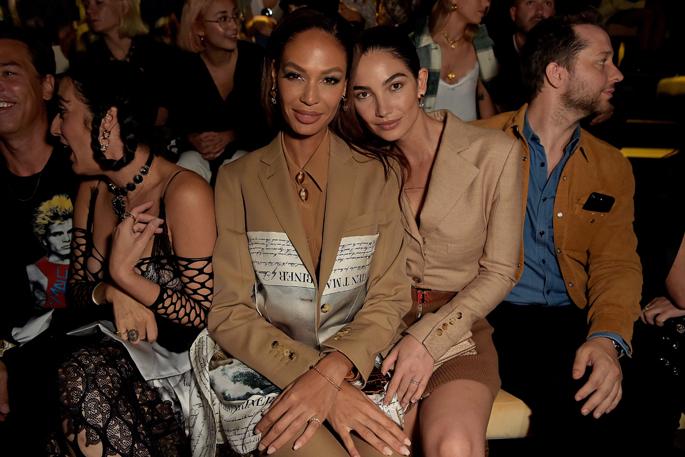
(647, 308)
(118, 333)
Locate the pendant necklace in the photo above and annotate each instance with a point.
(453, 43)
(118, 202)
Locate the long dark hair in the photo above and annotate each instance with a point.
(353, 130)
(121, 85)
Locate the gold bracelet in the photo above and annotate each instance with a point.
(327, 378)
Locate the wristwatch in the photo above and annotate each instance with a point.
(619, 348)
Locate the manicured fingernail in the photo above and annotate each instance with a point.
(5, 409)
(257, 432)
(407, 442)
(404, 450)
(404, 404)
(387, 451)
(585, 412)
(414, 400)
(271, 450)
(597, 415)
(296, 447)
(578, 398)
(261, 447)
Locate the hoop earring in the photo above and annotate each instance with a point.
(272, 93)
(104, 137)
(454, 7)
(344, 103)
(422, 104)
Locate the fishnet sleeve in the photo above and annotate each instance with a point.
(82, 282)
(188, 304)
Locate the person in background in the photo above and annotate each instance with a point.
(462, 208)
(563, 328)
(216, 110)
(507, 87)
(33, 173)
(121, 34)
(458, 54)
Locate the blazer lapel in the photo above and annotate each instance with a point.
(450, 177)
(278, 188)
(342, 174)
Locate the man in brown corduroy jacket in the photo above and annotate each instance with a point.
(562, 329)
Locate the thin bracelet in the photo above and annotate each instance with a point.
(327, 378)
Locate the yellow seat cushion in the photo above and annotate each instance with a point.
(510, 418)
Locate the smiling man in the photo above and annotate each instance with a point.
(33, 176)
(564, 326)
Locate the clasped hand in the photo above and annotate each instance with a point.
(211, 144)
(659, 311)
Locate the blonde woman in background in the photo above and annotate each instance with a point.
(458, 54)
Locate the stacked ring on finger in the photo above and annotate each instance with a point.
(132, 335)
(118, 333)
(127, 214)
(315, 419)
(415, 382)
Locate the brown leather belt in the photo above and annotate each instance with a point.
(426, 301)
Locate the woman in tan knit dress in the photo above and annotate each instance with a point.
(461, 203)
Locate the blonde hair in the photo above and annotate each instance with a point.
(188, 39)
(132, 23)
(438, 14)
(54, 211)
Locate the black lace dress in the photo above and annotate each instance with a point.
(102, 394)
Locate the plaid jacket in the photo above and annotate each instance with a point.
(431, 58)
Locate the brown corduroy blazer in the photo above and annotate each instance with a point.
(596, 251)
(254, 194)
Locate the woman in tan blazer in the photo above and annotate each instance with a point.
(309, 280)
(461, 203)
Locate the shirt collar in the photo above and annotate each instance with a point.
(529, 136)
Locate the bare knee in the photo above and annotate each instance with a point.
(455, 444)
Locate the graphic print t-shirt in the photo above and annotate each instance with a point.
(50, 191)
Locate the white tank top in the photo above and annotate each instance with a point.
(460, 98)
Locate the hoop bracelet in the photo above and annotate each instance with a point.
(92, 294)
(327, 378)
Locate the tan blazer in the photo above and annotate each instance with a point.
(254, 196)
(470, 230)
